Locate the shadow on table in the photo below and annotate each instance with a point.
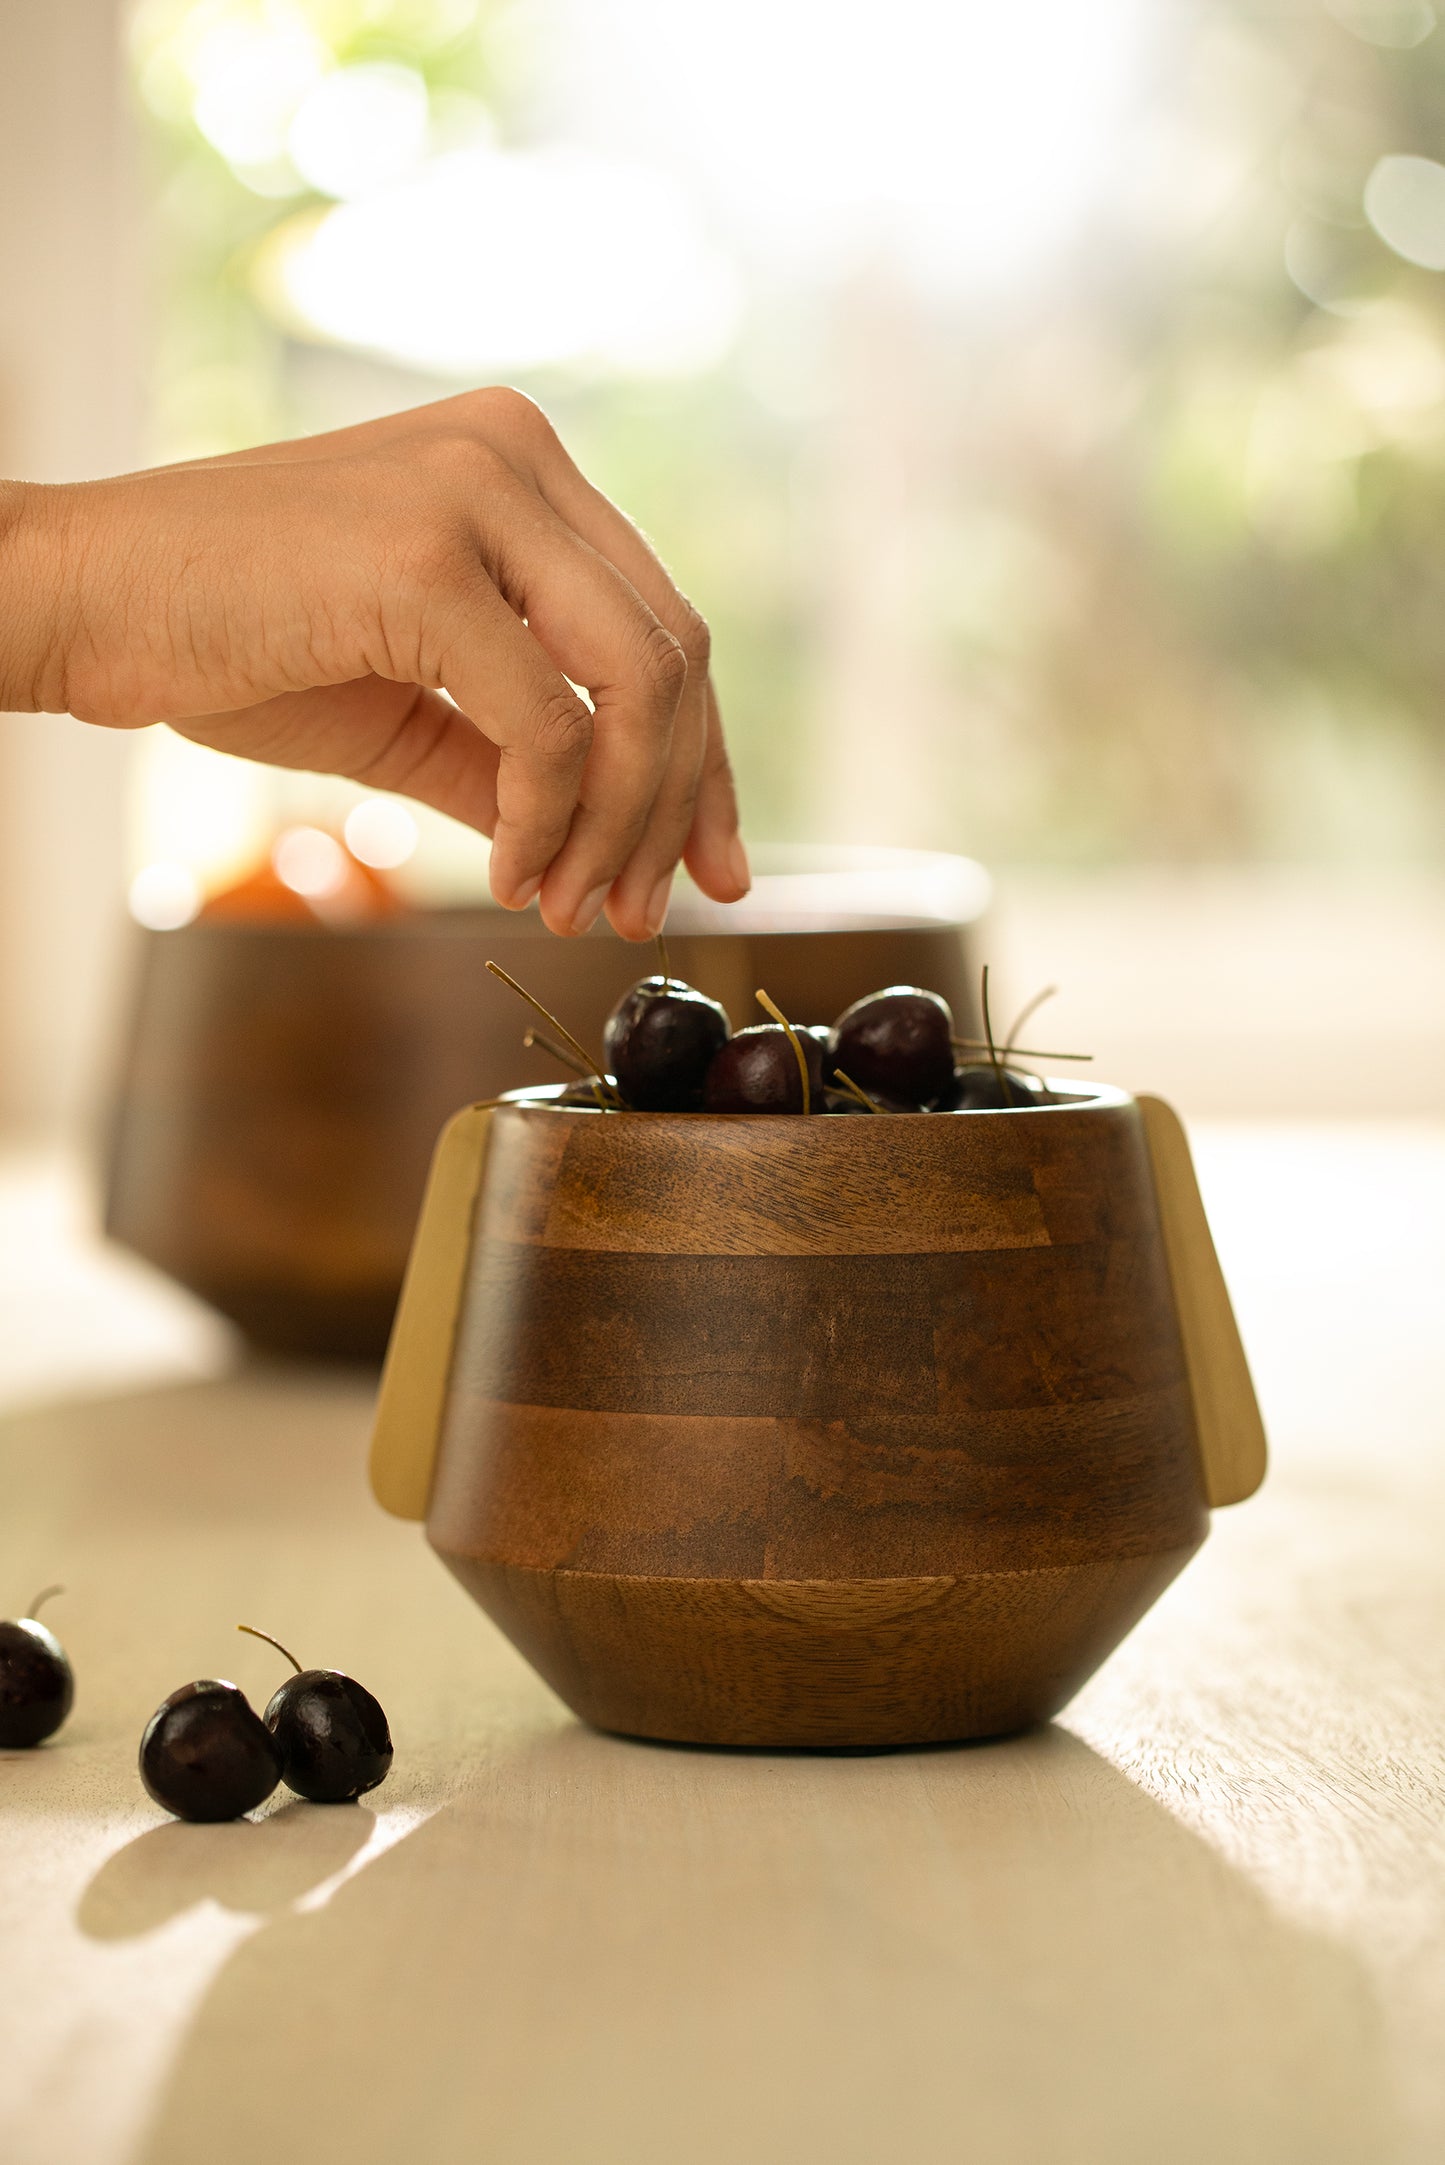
(255, 1868)
(605, 1952)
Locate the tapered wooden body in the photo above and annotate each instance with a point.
(282, 1086)
(840, 1431)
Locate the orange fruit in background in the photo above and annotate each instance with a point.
(355, 894)
(261, 897)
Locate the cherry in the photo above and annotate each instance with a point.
(838, 1101)
(980, 1087)
(206, 1753)
(897, 1045)
(992, 1085)
(331, 1734)
(660, 1040)
(757, 1072)
(37, 1688)
(820, 1033)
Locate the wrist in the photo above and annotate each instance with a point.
(32, 656)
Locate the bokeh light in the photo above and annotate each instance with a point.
(967, 140)
(309, 862)
(360, 128)
(163, 897)
(491, 262)
(1405, 203)
(382, 833)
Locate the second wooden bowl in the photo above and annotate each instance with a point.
(282, 1086)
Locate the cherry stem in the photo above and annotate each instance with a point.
(853, 1090)
(1025, 1052)
(48, 1594)
(255, 1634)
(1023, 1015)
(546, 1044)
(662, 958)
(560, 1027)
(988, 1040)
(777, 1014)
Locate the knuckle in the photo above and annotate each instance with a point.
(458, 456)
(664, 663)
(510, 413)
(561, 731)
(695, 639)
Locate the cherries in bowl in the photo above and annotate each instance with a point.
(669, 1048)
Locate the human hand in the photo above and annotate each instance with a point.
(309, 603)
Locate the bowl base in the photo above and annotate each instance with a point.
(819, 1662)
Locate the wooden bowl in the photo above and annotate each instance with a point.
(829, 1431)
(282, 1085)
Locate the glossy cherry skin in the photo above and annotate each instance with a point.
(978, 1088)
(331, 1734)
(37, 1689)
(757, 1072)
(660, 1040)
(897, 1044)
(207, 1754)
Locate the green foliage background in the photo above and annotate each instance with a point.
(1182, 592)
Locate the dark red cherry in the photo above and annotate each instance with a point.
(37, 1687)
(896, 1045)
(757, 1072)
(332, 1735)
(982, 1088)
(206, 1753)
(660, 1040)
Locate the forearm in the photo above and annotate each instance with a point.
(32, 611)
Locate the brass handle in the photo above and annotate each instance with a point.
(1226, 1412)
(419, 1356)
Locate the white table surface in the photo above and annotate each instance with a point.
(1200, 1918)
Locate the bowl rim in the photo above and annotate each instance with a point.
(1098, 1097)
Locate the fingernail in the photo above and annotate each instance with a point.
(590, 910)
(656, 911)
(526, 893)
(738, 864)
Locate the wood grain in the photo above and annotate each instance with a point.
(708, 1352)
(1226, 1411)
(820, 1663)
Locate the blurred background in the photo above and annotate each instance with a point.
(1045, 403)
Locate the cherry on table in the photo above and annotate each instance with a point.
(757, 1072)
(660, 1040)
(331, 1734)
(37, 1686)
(897, 1045)
(207, 1754)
